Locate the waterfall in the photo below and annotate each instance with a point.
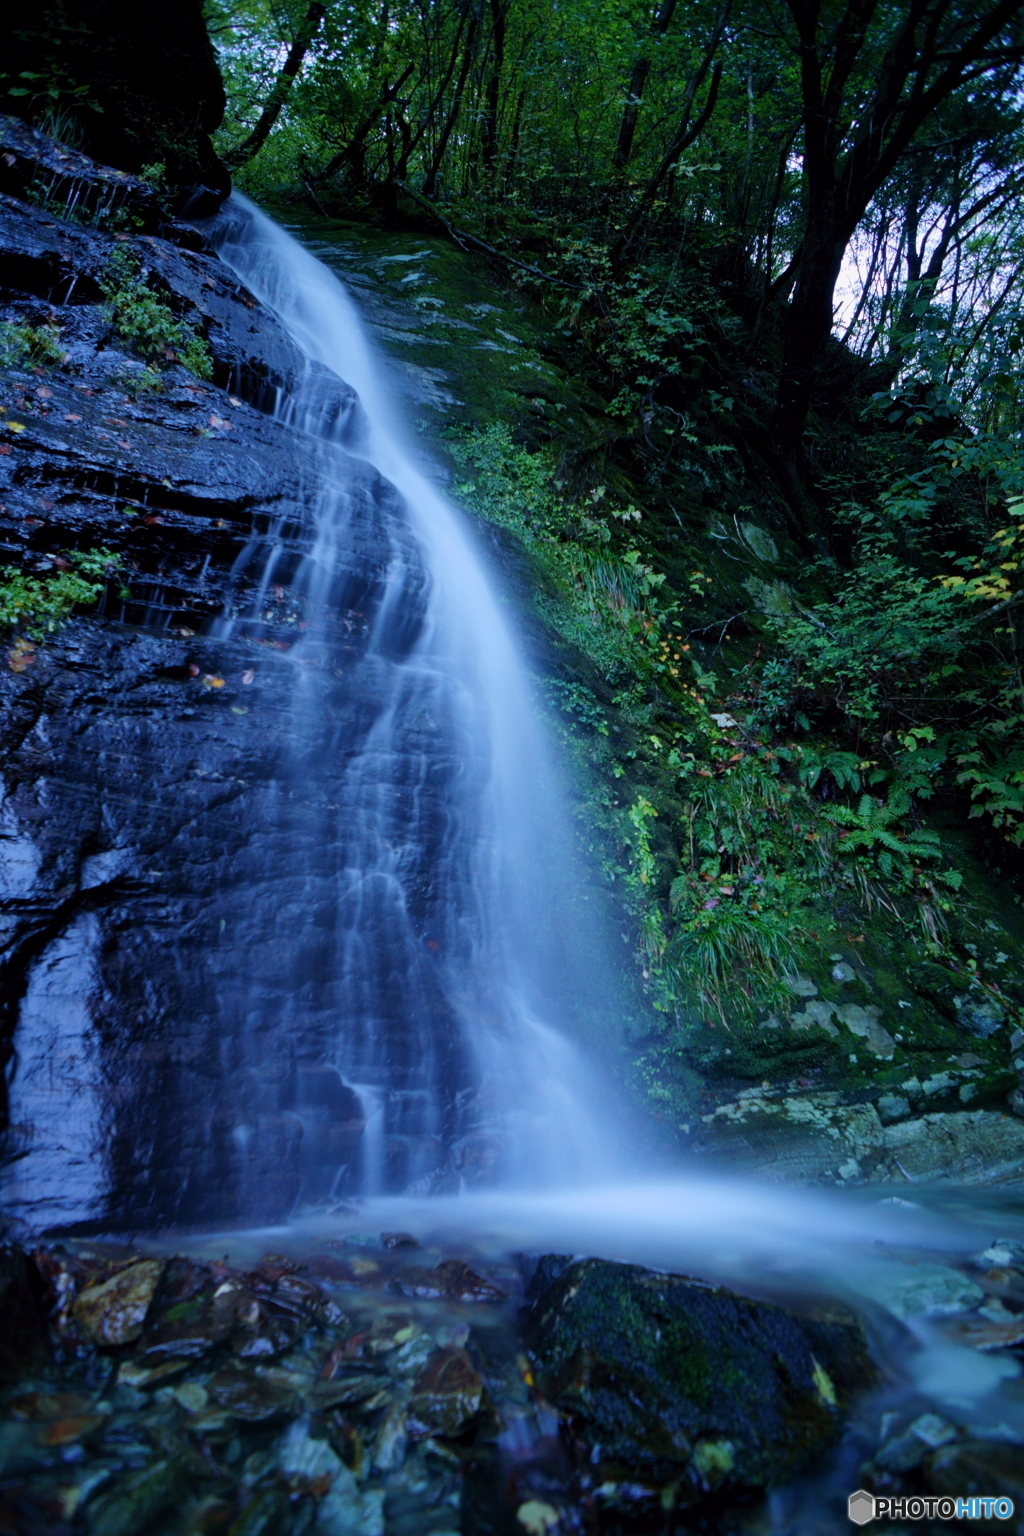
(453, 961)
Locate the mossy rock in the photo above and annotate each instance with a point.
(664, 1377)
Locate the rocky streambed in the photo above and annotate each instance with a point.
(367, 1384)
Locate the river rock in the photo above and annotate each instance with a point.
(661, 1376)
(246, 1396)
(134, 1503)
(343, 1509)
(114, 1312)
(451, 1278)
(929, 1289)
(446, 1395)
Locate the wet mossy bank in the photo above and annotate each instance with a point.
(890, 1002)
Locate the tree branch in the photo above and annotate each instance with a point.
(252, 145)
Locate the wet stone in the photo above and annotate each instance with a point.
(669, 1377)
(346, 1390)
(132, 1374)
(451, 1279)
(191, 1315)
(445, 1396)
(113, 1312)
(133, 1503)
(270, 1337)
(246, 1397)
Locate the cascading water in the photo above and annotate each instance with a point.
(449, 960)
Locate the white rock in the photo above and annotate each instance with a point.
(892, 1107)
(863, 1022)
(929, 1289)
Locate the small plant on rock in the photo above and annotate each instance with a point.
(142, 319)
(40, 604)
(34, 345)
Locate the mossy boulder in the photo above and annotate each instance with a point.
(672, 1380)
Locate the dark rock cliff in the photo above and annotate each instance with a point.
(172, 824)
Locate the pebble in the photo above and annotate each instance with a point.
(114, 1312)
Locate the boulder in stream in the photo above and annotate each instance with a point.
(672, 1380)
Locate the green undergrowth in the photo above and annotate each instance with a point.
(746, 845)
(35, 346)
(146, 323)
(38, 605)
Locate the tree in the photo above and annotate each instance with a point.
(870, 79)
(253, 143)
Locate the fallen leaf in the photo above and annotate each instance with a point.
(193, 670)
(233, 400)
(64, 1431)
(154, 518)
(44, 393)
(20, 657)
(16, 426)
(248, 676)
(70, 416)
(209, 681)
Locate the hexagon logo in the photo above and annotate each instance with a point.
(861, 1507)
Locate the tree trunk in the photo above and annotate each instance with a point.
(499, 15)
(453, 116)
(286, 79)
(635, 93)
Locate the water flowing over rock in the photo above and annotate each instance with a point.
(282, 838)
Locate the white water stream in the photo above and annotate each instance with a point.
(502, 860)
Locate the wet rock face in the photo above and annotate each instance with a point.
(665, 1378)
(182, 812)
